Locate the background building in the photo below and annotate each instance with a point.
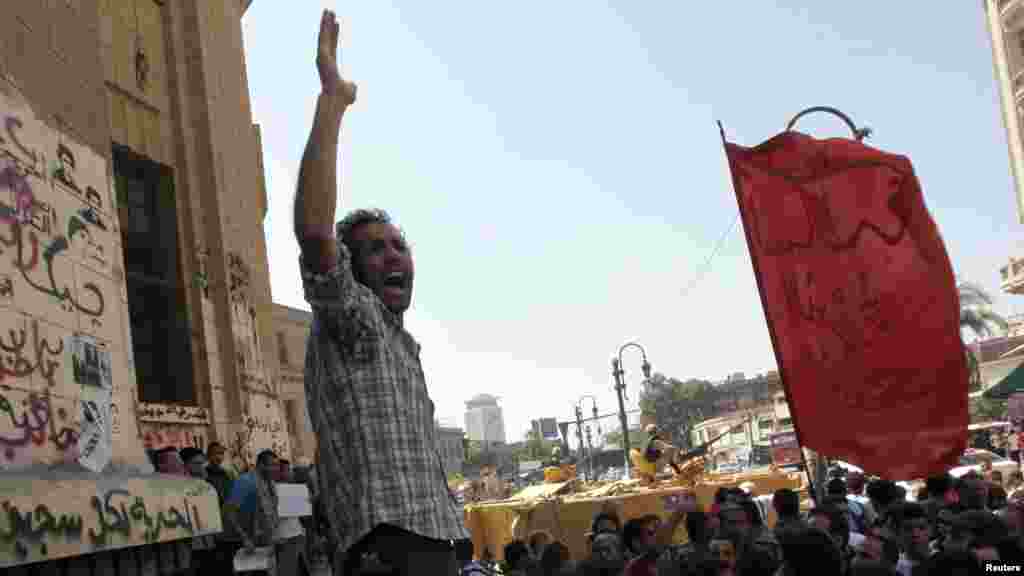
(546, 429)
(450, 446)
(1005, 21)
(484, 420)
(749, 410)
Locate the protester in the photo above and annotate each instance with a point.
(364, 379)
(252, 507)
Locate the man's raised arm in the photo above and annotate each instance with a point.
(317, 191)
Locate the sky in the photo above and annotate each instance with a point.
(558, 170)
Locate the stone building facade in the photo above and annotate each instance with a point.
(135, 306)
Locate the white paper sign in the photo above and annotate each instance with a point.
(90, 367)
(95, 442)
(293, 501)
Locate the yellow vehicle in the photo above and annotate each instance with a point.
(565, 509)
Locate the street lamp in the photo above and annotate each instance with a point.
(579, 429)
(620, 388)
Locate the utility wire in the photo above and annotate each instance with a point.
(706, 266)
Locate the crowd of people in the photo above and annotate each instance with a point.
(249, 509)
(861, 527)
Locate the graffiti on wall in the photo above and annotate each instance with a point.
(126, 515)
(202, 275)
(21, 356)
(173, 413)
(31, 424)
(34, 236)
(57, 254)
(239, 277)
(156, 436)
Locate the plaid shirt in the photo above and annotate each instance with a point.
(370, 409)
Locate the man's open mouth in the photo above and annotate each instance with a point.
(395, 281)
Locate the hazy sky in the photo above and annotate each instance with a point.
(558, 171)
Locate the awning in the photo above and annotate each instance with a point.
(1013, 383)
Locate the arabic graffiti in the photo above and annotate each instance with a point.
(6, 289)
(155, 437)
(263, 426)
(12, 178)
(240, 449)
(238, 279)
(116, 518)
(117, 513)
(202, 277)
(35, 424)
(15, 177)
(42, 357)
(35, 525)
(173, 413)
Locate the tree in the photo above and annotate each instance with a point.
(535, 447)
(678, 405)
(977, 317)
(636, 438)
(473, 452)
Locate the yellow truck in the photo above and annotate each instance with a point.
(565, 509)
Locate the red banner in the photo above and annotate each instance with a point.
(860, 300)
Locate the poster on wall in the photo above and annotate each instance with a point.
(90, 365)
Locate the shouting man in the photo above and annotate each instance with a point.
(384, 487)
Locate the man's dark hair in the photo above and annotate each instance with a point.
(810, 551)
(213, 446)
(938, 485)
(515, 552)
(189, 453)
(903, 512)
(756, 562)
(346, 227)
(952, 562)
(604, 517)
(838, 522)
(786, 502)
(632, 531)
(264, 457)
(753, 512)
(836, 487)
(884, 492)
(696, 528)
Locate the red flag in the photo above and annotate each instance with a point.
(860, 300)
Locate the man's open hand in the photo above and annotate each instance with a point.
(327, 61)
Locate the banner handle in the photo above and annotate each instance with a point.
(859, 133)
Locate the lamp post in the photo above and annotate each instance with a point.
(620, 389)
(579, 429)
(590, 450)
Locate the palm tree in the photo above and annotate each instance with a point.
(976, 312)
(976, 315)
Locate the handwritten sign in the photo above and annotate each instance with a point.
(860, 299)
(293, 501)
(68, 521)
